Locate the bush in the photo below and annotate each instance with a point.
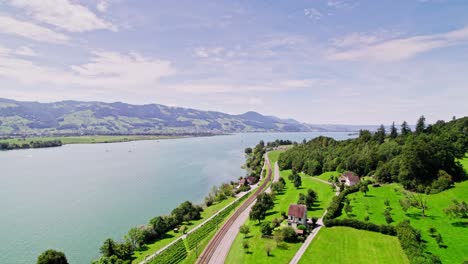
(289, 234)
(52, 257)
(266, 229)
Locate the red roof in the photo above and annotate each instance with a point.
(297, 210)
(251, 179)
(351, 177)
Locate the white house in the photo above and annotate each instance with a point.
(297, 215)
(349, 179)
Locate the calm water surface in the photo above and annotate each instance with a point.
(73, 197)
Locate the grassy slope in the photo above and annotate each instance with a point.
(454, 231)
(171, 235)
(256, 252)
(86, 139)
(353, 246)
(274, 155)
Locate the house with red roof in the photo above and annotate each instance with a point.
(297, 215)
(349, 179)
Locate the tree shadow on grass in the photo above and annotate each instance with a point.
(460, 224)
(419, 216)
(369, 195)
(271, 213)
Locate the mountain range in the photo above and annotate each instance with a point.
(77, 117)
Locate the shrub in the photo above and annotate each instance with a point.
(289, 234)
(266, 229)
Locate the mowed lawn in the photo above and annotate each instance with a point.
(348, 245)
(454, 232)
(256, 252)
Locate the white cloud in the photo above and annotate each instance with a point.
(205, 52)
(341, 4)
(63, 14)
(26, 51)
(400, 49)
(12, 26)
(359, 38)
(106, 70)
(102, 5)
(312, 13)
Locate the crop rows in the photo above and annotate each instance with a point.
(172, 255)
(201, 233)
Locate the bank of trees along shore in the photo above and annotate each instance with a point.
(30, 144)
(424, 160)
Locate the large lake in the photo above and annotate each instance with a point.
(72, 197)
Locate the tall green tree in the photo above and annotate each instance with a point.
(108, 248)
(51, 256)
(405, 129)
(420, 125)
(135, 237)
(380, 134)
(393, 131)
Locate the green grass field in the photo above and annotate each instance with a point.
(326, 175)
(454, 232)
(341, 245)
(171, 235)
(86, 139)
(274, 155)
(256, 253)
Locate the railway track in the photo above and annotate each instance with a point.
(213, 244)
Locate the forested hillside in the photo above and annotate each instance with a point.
(425, 160)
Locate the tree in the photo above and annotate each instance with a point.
(245, 245)
(257, 213)
(266, 229)
(248, 151)
(159, 225)
(364, 188)
(277, 187)
(388, 216)
(457, 209)
(312, 196)
(289, 234)
(302, 199)
(108, 248)
(244, 229)
(439, 240)
(415, 200)
(278, 236)
(268, 248)
(297, 182)
(51, 256)
(420, 125)
(135, 237)
(405, 129)
(393, 131)
(380, 134)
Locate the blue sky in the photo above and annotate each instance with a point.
(330, 61)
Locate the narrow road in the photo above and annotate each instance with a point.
(218, 248)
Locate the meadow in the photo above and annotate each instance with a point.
(341, 245)
(454, 232)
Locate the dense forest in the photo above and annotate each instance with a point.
(423, 160)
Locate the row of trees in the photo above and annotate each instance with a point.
(424, 160)
(31, 144)
(121, 252)
(254, 161)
